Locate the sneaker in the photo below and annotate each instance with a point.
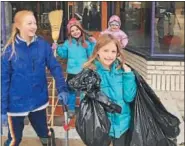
(72, 122)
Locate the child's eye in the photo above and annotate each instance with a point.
(105, 50)
(114, 52)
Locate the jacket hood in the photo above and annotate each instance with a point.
(73, 22)
(114, 18)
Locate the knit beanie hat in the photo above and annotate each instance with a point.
(73, 22)
(114, 20)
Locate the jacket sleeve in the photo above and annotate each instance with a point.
(62, 50)
(124, 39)
(104, 32)
(5, 81)
(90, 48)
(56, 70)
(101, 33)
(129, 86)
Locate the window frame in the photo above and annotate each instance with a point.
(152, 49)
(152, 55)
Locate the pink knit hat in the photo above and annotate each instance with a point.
(75, 22)
(72, 22)
(114, 18)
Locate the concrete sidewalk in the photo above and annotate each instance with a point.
(36, 142)
(173, 101)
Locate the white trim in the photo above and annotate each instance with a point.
(26, 113)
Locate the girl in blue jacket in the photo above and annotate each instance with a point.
(23, 80)
(76, 49)
(117, 82)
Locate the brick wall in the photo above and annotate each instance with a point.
(160, 75)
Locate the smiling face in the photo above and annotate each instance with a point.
(114, 27)
(75, 32)
(107, 54)
(28, 27)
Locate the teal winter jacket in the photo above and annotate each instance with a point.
(75, 54)
(121, 88)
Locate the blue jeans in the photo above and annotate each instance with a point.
(16, 125)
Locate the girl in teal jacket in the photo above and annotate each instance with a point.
(76, 49)
(117, 82)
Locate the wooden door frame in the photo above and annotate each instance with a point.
(103, 20)
(104, 15)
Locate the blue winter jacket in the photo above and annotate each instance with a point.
(23, 77)
(75, 54)
(121, 88)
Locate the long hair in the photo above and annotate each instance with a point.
(84, 36)
(18, 19)
(101, 42)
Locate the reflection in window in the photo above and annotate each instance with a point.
(88, 13)
(6, 22)
(41, 11)
(137, 25)
(169, 27)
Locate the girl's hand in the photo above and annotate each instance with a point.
(126, 68)
(92, 39)
(54, 46)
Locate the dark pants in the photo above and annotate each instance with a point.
(120, 141)
(72, 95)
(16, 125)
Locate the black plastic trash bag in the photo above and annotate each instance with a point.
(151, 123)
(144, 131)
(92, 123)
(108, 105)
(168, 122)
(89, 82)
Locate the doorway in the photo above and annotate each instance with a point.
(92, 15)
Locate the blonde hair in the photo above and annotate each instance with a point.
(18, 19)
(101, 42)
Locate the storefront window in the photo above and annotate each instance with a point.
(169, 28)
(40, 10)
(6, 22)
(137, 25)
(89, 14)
(43, 9)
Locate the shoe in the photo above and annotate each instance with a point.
(72, 122)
